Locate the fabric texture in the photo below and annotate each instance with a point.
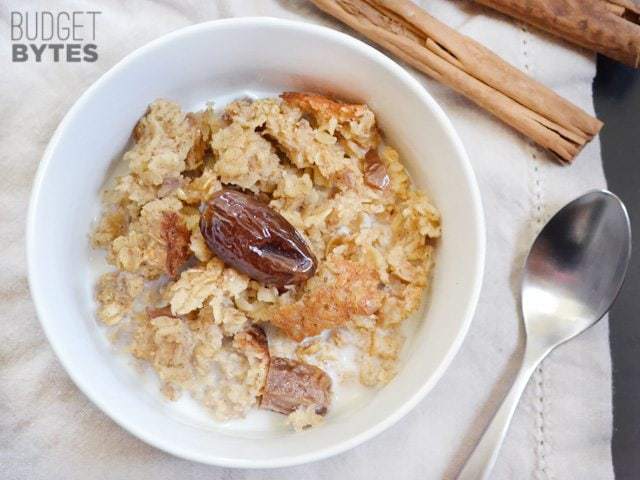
(562, 428)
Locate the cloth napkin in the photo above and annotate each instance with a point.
(562, 428)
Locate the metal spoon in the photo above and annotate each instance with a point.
(572, 276)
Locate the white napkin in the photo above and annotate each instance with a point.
(562, 429)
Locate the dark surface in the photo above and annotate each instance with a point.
(617, 103)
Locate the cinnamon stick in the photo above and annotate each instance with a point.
(463, 64)
(609, 27)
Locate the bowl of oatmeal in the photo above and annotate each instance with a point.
(255, 258)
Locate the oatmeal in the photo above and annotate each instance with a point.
(252, 247)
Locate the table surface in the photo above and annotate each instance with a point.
(617, 104)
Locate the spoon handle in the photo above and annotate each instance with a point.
(483, 457)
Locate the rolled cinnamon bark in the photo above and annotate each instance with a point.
(609, 27)
(463, 64)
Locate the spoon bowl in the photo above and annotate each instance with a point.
(572, 276)
(576, 267)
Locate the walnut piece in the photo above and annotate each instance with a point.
(323, 107)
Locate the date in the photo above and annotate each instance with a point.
(292, 384)
(253, 238)
(375, 172)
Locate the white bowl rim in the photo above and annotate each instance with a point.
(477, 213)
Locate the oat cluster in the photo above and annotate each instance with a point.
(181, 311)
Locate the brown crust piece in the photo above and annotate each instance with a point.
(138, 130)
(159, 312)
(324, 108)
(196, 154)
(176, 237)
(292, 384)
(354, 291)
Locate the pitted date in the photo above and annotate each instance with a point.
(291, 384)
(375, 172)
(251, 237)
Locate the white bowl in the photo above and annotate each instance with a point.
(218, 61)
